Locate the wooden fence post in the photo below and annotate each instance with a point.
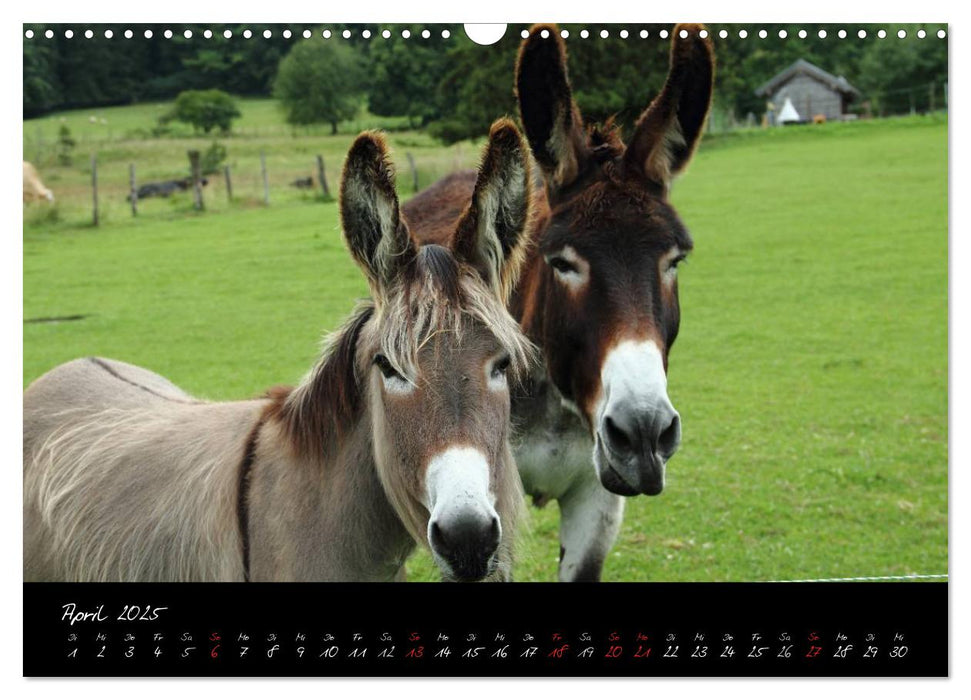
(94, 186)
(133, 188)
(322, 176)
(196, 181)
(229, 183)
(266, 183)
(414, 171)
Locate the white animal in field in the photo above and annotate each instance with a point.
(34, 188)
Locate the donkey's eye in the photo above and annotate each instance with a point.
(673, 265)
(387, 369)
(501, 366)
(562, 265)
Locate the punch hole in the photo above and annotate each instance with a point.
(882, 34)
(207, 34)
(783, 33)
(187, 33)
(624, 34)
(129, 33)
(425, 34)
(267, 33)
(821, 34)
(921, 33)
(287, 34)
(763, 34)
(168, 34)
(941, 34)
(88, 34)
(683, 34)
(446, 34)
(29, 34)
(723, 34)
(703, 33)
(742, 33)
(406, 34)
(247, 33)
(604, 34)
(565, 33)
(901, 34)
(664, 33)
(545, 33)
(524, 34)
(485, 34)
(841, 33)
(109, 34)
(49, 33)
(326, 34)
(227, 34)
(803, 34)
(861, 33)
(644, 34)
(346, 34)
(366, 34)
(69, 34)
(307, 33)
(584, 34)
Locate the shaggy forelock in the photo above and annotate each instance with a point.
(438, 294)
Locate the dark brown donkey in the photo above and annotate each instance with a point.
(599, 290)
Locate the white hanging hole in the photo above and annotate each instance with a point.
(703, 33)
(803, 33)
(187, 33)
(69, 34)
(346, 34)
(446, 34)
(921, 33)
(821, 34)
(683, 34)
(565, 33)
(287, 34)
(49, 33)
(247, 33)
(109, 34)
(584, 34)
(643, 34)
(367, 34)
(624, 34)
(29, 34)
(723, 34)
(901, 34)
(267, 33)
(325, 34)
(742, 34)
(167, 33)
(207, 34)
(485, 34)
(307, 33)
(941, 34)
(129, 33)
(604, 34)
(841, 33)
(783, 33)
(88, 34)
(425, 34)
(386, 34)
(763, 34)
(406, 34)
(524, 34)
(861, 34)
(227, 34)
(882, 34)
(664, 33)
(545, 33)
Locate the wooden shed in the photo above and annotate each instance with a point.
(811, 90)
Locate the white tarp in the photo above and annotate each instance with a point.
(788, 113)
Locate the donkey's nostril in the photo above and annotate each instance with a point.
(670, 438)
(436, 538)
(617, 437)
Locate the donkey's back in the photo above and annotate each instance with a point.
(127, 477)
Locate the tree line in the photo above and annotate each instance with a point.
(451, 86)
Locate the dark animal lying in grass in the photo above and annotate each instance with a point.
(166, 188)
(303, 183)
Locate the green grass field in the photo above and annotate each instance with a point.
(811, 371)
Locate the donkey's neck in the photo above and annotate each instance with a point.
(317, 508)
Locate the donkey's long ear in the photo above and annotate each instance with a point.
(670, 128)
(549, 115)
(376, 235)
(491, 235)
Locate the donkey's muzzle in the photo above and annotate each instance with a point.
(467, 545)
(633, 448)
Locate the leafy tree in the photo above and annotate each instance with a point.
(405, 77)
(65, 146)
(205, 110)
(320, 82)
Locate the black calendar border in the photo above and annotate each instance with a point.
(916, 610)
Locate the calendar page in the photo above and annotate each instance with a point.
(643, 326)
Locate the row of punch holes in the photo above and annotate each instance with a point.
(445, 34)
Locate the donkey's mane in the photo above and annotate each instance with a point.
(435, 293)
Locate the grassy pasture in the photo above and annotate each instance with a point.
(811, 370)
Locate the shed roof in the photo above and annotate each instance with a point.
(802, 66)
